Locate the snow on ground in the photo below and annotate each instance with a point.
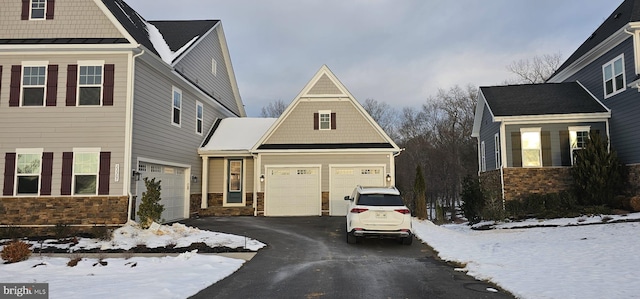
(571, 260)
(136, 277)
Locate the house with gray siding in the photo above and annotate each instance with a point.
(604, 73)
(93, 99)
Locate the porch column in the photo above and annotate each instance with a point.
(205, 182)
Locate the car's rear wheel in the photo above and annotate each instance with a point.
(407, 240)
(351, 239)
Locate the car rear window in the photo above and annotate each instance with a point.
(380, 200)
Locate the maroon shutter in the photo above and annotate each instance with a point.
(52, 84)
(72, 81)
(104, 172)
(333, 121)
(9, 173)
(45, 175)
(25, 9)
(67, 173)
(0, 79)
(14, 88)
(107, 93)
(50, 8)
(316, 121)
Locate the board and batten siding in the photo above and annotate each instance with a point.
(361, 158)
(154, 135)
(488, 129)
(625, 106)
(351, 125)
(71, 19)
(196, 65)
(61, 128)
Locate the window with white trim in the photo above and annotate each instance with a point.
(176, 110)
(33, 85)
(38, 9)
(498, 158)
(90, 85)
(324, 120)
(86, 164)
(28, 165)
(578, 137)
(483, 157)
(613, 76)
(531, 147)
(199, 117)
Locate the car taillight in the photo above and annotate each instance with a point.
(403, 211)
(358, 210)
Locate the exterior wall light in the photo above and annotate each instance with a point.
(262, 178)
(388, 178)
(194, 179)
(135, 175)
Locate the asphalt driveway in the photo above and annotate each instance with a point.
(308, 257)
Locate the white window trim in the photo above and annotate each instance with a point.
(84, 150)
(44, 16)
(531, 130)
(483, 157)
(173, 91)
(38, 151)
(214, 67)
(242, 183)
(44, 64)
(496, 142)
(320, 113)
(82, 63)
(201, 118)
(574, 130)
(624, 77)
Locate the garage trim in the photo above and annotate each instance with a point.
(318, 201)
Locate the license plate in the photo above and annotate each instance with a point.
(381, 215)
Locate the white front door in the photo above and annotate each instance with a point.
(345, 178)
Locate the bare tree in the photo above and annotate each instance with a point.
(274, 109)
(535, 70)
(385, 115)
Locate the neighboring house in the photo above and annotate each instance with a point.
(596, 89)
(94, 98)
(303, 163)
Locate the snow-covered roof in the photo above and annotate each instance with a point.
(237, 134)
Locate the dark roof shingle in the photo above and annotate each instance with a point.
(540, 99)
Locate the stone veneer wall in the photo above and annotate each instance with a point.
(215, 207)
(260, 203)
(74, 211)
(519, 182)
(325, 203)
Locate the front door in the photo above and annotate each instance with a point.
(234, 179)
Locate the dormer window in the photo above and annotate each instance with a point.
(613, 76)
(37, 9)
(324, 120)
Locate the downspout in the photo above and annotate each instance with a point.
(130, 132)
(635, 51)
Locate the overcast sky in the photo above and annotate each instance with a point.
(395, 51)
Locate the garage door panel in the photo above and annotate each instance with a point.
(292, 191)
(345, 179)
(172, 192)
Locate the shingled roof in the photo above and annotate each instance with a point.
(628, 11)
(540, 99)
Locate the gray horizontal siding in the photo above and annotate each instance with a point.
(625, 107)
(488, 129)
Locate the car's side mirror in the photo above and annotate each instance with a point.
(347, 198)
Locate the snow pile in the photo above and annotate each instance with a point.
(161, 46)
(575, 261)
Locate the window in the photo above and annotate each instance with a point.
(90, 85)
(33, 85)
(199, 116)
(176, 113)
(578, 137)
(325, 120)
(85, 172)
(496, 141)
(613, 75)
(38, 8)
(214, 67)
(235, 175)
(28, 166)
(531, 147)
(483, 158)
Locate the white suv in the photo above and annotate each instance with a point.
(378, 212)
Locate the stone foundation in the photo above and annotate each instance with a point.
(69, 211)
(260, 203)
(519, 182)
(216, 208)
(325, 204)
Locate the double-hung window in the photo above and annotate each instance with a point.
(90, 84)
(613, 76)
(483, 157)
(28, 165)
(325, 120)
(38, 9)
(176, 110)
(33, 85)
(578, 137)
(531, 147)
(199, 117)
(86, 164)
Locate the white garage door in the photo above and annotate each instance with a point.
(345, 179)
(292, 191)
(173, 191)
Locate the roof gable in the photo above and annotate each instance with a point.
(541, 99)
(294, 129)
(235, 134)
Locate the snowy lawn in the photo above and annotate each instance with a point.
(136, 277)
(566, 259)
